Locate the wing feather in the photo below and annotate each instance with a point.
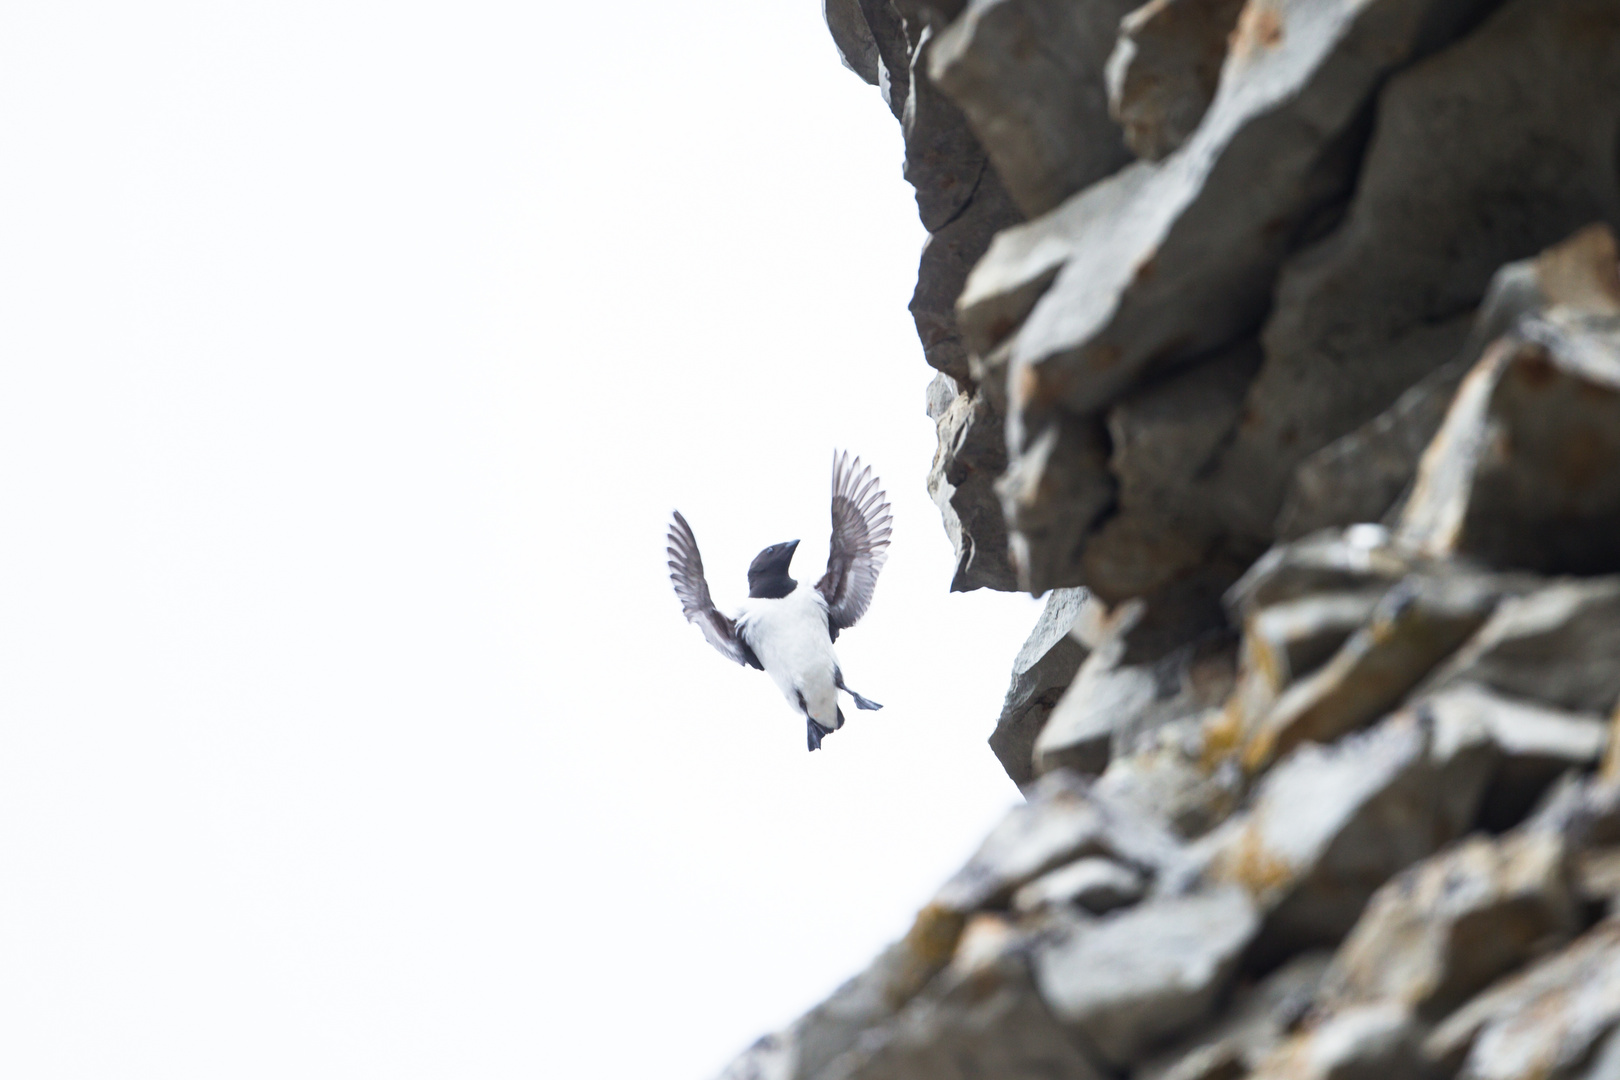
(860, 542)
(686, 572)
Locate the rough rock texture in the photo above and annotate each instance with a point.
(1041, 672)
(1029, 76)
(1441, 931)
(1319, 408)
(1518, 473)
(1163, 73)
(1330, 824)
(1133, 979)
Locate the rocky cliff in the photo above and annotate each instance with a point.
(1279, 344)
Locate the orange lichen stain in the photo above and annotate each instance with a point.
(1259, 27)
(1249, 863)
(925, 950)
(1260, 750)
(1222, 732)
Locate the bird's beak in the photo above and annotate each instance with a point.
(793, 546)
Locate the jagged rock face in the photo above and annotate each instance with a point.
(1318, 729)
(1042, 670)
(1029, 76)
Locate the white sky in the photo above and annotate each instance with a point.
(351, 359)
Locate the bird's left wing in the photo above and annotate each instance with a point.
(859, 546)
(686, 571)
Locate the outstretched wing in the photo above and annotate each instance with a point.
(860, 543)
(686, 571)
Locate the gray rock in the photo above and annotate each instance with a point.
(1533, 744)
(1052, 495)
(1330, 824)
(1486, 153)
(1041, 672)
(988, 1023)
(1237, 1041)
(1359, 477)
(1556, 645)
(1285, 642)
(1095, 884)
(1113, 702)
(1365, 1042)
(1296, 637)
(972, 452)
(1544, 1022)
(1163, 263)
(1523, 471)
(1362, 476)
(1062, 821)
(1164, 70)
(1134, 979)
(1355, 559)
(1606, 1060)
(1170, 780)
(1169, 517)
(871, 998)
(1597, 876)
(1586, 810)
(852, 37)
(947, 256)
(1029, 75)
(1413, 627)
(893, 49)
(944, 162)
(1442, 930)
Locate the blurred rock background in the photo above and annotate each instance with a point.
(1278, 344)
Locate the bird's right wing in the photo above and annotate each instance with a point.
(686, 571)
(859, 545)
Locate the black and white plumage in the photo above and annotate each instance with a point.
(785, 628)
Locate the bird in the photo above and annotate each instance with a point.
(787, 628)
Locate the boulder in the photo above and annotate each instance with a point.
(1330, 824)
(1132, 980)
(1525, 470)
(1164, 70)
(1169, 780)
(988, 1022)
(1362, 475)
(1444, 929)
(1532, 744)
(1556, 645)
(1097, 885)
(1544, 1022)
(1061, 822)
(1029, 76)
(1123, 691)
(1413, 627)
(1235, 1043)
(1359, 558)
(1363, 1042)
(1041, 672)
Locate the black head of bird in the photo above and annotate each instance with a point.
(768, 574)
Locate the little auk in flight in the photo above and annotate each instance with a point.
(786, 628)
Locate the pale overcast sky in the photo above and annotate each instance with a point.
(354, 356)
